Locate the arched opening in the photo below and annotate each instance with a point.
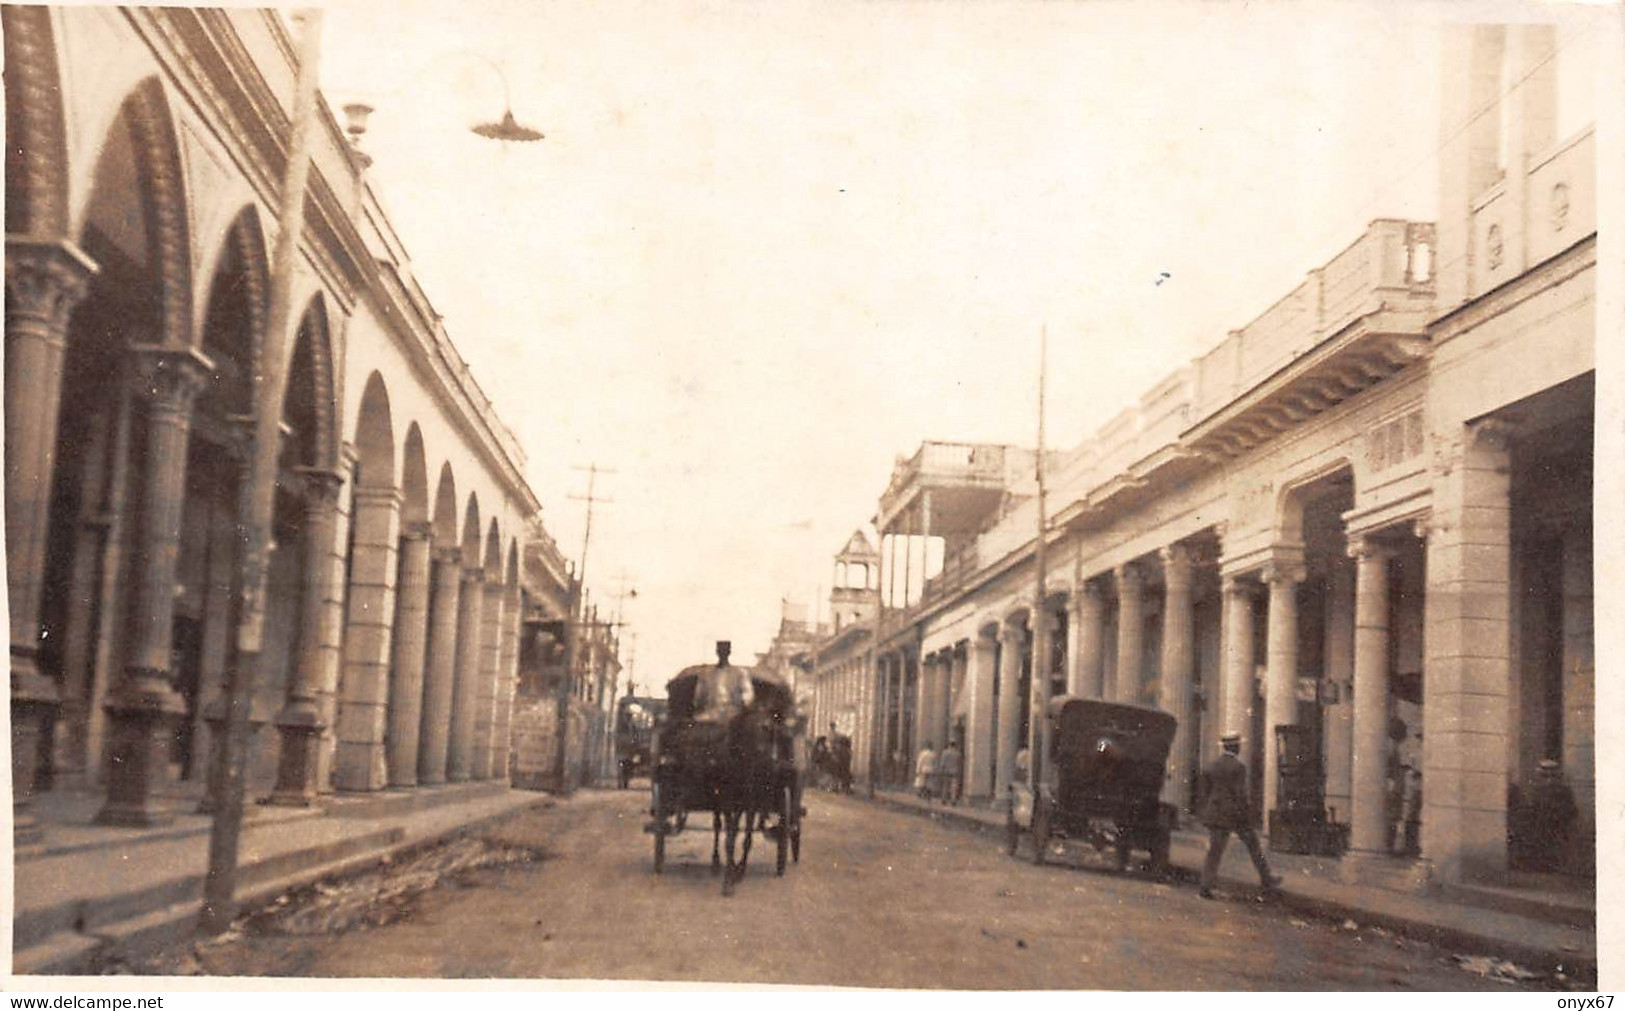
(128, 385)
(36, 149)
(445, 509)
(414, 479)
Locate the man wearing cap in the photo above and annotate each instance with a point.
(1225, 808)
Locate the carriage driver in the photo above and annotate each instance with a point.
(723, 691)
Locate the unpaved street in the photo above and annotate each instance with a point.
(880, 899)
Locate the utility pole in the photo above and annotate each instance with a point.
(572, 624)
(1037, 734)
(258, 497)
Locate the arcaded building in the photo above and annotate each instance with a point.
(146, 155)
(1358, 531)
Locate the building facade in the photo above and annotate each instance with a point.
(1357, 532)
(146, 159)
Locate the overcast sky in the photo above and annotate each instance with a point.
(765, 248)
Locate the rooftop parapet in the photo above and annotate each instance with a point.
(953, 488)
(1354, 321)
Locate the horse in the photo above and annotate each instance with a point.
(747, 789)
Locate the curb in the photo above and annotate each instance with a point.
(65, 954)
(1574, 964)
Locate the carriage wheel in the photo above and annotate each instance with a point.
(1040, 830)
(795, 826)
(659, 809)
(787, 802)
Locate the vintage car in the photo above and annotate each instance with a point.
(1102, 783)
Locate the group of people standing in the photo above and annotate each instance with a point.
(832, 760)
(939, 777)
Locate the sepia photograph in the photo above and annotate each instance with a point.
(873, 495)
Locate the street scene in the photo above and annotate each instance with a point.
(984, 496)
(580, 904)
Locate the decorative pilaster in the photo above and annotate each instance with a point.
(44, 282)
(1178, 668)
(1281, 679)
(300, 721)
(465, 699)
(1467, 638)
(1368, 832)
(1130, 633)
(145, 706)
(406, 666)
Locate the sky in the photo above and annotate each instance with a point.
(765, 249)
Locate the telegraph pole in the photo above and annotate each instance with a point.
(573, 622)
(1036, 729)
(258, 495)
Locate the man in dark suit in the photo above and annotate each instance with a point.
(1225, 808)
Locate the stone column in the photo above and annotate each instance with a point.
(44, 282)
(1369, 831)
(1043, 675)
(333, 625)
(924, 705)
(1280, 684)
(1130, 633)
(960, 678)
(1178, 668)
(1013, 648)
(1235, 712)
(465, 699)
(485, 700)
(90, 538)
(411, 646)
(144, 708)
(1340, 671)
(369, 625)
(1086, 674)
(943, 715)
(980, 748)
(300, 721)
(508, 674)
(1467, 640)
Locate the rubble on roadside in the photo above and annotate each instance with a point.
(374, 898)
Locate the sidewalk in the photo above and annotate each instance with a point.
(1545, 927)
(84, 893)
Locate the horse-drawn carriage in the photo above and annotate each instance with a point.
(1103, 782)
(727, 745)
(635, 720)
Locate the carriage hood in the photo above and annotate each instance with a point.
(768, 688)
(1109, 750)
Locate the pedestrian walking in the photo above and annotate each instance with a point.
(1226, 807)
(949, 766)
(925, 766)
